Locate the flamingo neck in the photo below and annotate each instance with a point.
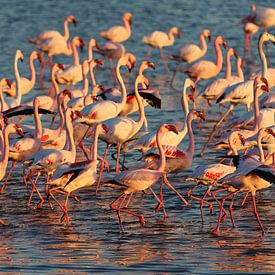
(61, 114)
(262, 57)
(228, 67)
(184, 99)
(85, 84)
(140, 107)
(191, 147)
(127, 26)
(162, 161)
(260, 148)
(55, 85)
(219, 57)
(232, 146)
(96, 134)
(90, 50)
(69, 128)
(256, 109)
(18, 94)
(66, 30)
(203, 44)
(171, 38)
(38, 124)
(32, 71)
(6, 146)
(2, 100)
(239, 68)
(122, 85)
(92, 75)
(75, 54)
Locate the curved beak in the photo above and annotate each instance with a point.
(209, 38)
(224, 44)
(151, 65)
(74, 22)
(172, 128)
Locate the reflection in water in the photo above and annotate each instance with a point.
(35, 240)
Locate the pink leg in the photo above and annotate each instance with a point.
(65, 209)
(117, 159)
(101, 167)
(202, 201)
(148, 52)
(256, 214)
(160, 201)
(175, 72)
(165, 180)
(3, 223)
(8, 177)
(42, 69)
(163, 60)
(244, 199)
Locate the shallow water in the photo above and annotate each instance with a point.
(36, 241)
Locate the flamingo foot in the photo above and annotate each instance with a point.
(41, 202)
(142, 220)
(3, 223)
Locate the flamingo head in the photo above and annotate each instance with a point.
(71, 19)
(171, 128)
(93, 43)
(265, 36)
(18, 130)
(175, 31)
(270, 131)
(99, 62)
(5, 81)
(206, 33)
(19, 55)
(241, 138)
(198, 114)
(130, 61)
(38, 56)
(220, 40)
(145, 65)
(261, 83)
(127, 16)
(66, 92)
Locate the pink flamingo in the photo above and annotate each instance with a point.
(121, 129)
(80, 175)
(191, 52)
(119, 33)
(159, 39)
(49, 34)
(205, 69)
(141, 179)
(26, 84)
(250, 30)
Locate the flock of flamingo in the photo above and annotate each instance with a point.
(96, 114)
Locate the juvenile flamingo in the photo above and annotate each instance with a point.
(159, 39)
(205, 69)
(119, 33)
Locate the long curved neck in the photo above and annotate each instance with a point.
(140, 107)
(75, 54)
(184, 99)
(85, 86)
(18, 95)
(69, 128)
(92, 75)
(219, 58)
(171, 38)
(239, 68)
(66, 30)
(122, 85)
(32, 71)
(162, 161)
(61, 114)
(96, 134)
(55, 85)
(228, 67)
(256, 110)
(260, 148)
(5, 158)
(90, 50)
(127, 25)
(38, 124)
(191, 147)
(203, 44)
(2, 99)
(262, 57)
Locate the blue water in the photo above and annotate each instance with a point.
(36, 242)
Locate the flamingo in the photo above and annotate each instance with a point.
(216, 87)
(121, 129)
(49, 34)
(119, 33)
(72, 73)
(81, 174)
(93, 113)
(250, 30)
(47, 160)
(191, 52)
(26, 84)
(149, 140)
(205, 69)
(241, 93)
(159, 39)
(10, 129)
(249, 178)
(141, 179)
(14, 101)
(21, 149)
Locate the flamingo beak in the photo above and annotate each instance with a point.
(60, 66)
(99, 62)
(242, 139)
(74, 22)
(235, 54)
(82, 45)
(67, 92)
(8, 82)
(19, 131)
(77, 113)
(209, 38)
(39, 57)
(270, 131)
(104, 127)
(179, 34)
(224, 44)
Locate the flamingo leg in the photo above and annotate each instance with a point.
(81, 145)
(117, 160)
(256, 214)
(33, 188)
(175, 72)
(54, 198)
(42, 69)
(163, 60)
(244, 199)
(148, 52)
(101, 167)
(128, 201)
(231, 209)
(160, 196)
(3, 223)
(65, 209)
(161, 203)
(203, 200)
(165, 180)
(9, 174)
